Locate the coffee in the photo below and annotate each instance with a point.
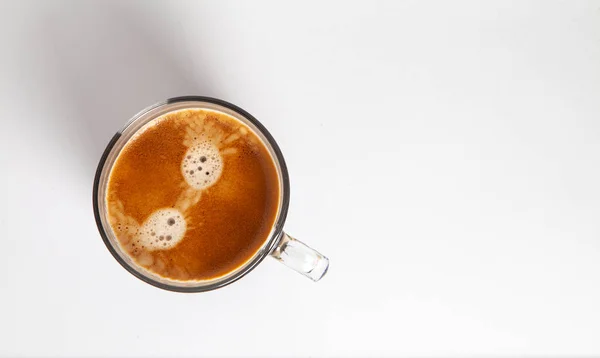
(193, 195)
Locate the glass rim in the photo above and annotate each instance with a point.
(266, 248)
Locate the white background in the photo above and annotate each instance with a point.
(444, 155)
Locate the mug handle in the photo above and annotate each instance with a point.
(301, 258)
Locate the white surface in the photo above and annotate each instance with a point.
(444, 156)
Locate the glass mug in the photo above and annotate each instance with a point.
(279, 245)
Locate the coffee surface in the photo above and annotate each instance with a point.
(193, 195)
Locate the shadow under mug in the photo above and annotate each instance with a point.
(279, 245)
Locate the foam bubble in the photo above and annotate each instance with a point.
(162, 230)
(202, 165)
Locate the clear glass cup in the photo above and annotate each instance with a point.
(278, 245)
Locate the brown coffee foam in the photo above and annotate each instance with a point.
(226, 222)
